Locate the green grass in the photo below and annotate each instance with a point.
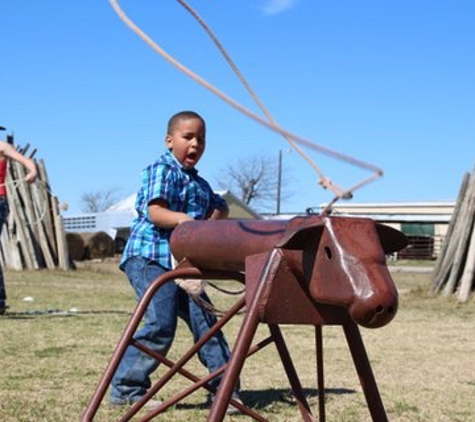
(55, 348)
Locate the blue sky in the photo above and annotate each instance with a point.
(387, 82)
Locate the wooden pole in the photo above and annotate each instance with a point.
(13, 247)
(24, 194)
(442, 259)
(466, 223)
(24, 236)
(63, 258)
(40, 215)
(467, 278)
(452, 247)
(45, 199)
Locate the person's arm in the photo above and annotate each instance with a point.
(8, 151)
(162, 217)
(219, 214)
(221, 209)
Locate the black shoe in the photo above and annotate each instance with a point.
(3, 308)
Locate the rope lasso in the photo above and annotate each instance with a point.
(270, 123)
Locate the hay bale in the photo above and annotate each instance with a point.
(98, 245)
(76, 246)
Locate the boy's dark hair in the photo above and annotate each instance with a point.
(183, 115)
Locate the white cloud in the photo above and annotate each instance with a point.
(273, 7)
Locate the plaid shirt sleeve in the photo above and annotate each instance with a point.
(161, 184)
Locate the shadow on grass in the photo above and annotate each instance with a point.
(261, 399)
(58, 313)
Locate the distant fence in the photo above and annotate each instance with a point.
(422, 247)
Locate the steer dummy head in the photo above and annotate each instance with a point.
(343, 262)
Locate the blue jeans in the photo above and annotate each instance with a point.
(3, 218)
(132, 378)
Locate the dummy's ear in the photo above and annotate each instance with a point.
(392, 240)
(300, 231)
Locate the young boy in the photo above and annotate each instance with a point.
(171, 193)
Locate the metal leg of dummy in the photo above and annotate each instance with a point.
(124, 342)
(177, 367)
(320, 374)
(291, 374)
(365, 373)
(127, 339)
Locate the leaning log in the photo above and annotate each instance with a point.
(468, 274)
(466, 224)
(445, 258)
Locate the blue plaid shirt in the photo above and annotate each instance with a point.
(183, 190)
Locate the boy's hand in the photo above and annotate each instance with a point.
(219, 214)
(183, 217)
(162, 217)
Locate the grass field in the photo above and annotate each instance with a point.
(62, 327)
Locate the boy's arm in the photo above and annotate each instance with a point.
(221, 208)
(8, 151)
(219, 214)
(162, 217)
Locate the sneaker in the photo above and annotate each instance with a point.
(150, 405)
(231, 410)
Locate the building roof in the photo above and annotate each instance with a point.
(237, 208)
(416, 212)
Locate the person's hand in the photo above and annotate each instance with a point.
(183, 218)
(31, 176)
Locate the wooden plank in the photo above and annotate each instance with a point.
(49, 257)
(63, 258)
(31, 228)
(443, 258)
(467, 219)
(468, 275)
(44, 189)
(24, 237)
(5, 259)
(40, 229)
(24, 195)
(11, 246)
(451, 252)
(16, 262)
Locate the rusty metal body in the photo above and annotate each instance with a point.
(337, 261)
(316, 270)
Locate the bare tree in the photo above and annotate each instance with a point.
(255, 181)
(100, 200)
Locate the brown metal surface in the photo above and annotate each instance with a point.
(336, 261)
